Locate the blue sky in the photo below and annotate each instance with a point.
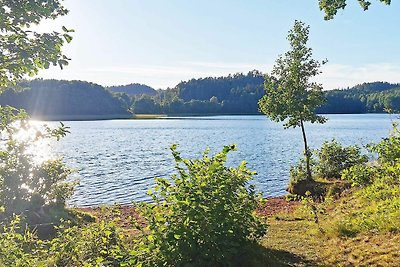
(160, 42)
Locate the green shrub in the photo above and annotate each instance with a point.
(17, 248)
(388, 149)
(359, 175)
(203, 216)
(96, 244)
(375, 206)
(298, 173)
(25, 181)
(333, 158)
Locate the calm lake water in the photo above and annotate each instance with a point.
(117, 160)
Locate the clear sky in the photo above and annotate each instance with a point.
(163, 42)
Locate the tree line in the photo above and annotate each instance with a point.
(47, 99)
(239, 94)
(232, 94)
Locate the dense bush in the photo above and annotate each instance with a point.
(333, 158)
(327, 165)
(376, 205)
(27, 181)
(298, 172)
(17, 247)
(97, 244)
(359, 175)
(388, 149)
(93, 245)
(203, 216)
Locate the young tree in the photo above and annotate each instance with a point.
(330, 7)
(290, 96)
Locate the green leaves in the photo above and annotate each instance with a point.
(333, 159)
(202, 215)
(290, 96)
(25, 52)
(27, 183)
(330, 7)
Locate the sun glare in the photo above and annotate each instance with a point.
(32, 136)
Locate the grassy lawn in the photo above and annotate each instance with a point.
(296, 241)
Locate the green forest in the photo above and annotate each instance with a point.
(63, 100)
(234, 94)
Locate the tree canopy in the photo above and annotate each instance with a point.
(331, 7)
(23, 50)
(133, 89)
(27, 185)
(290, 96)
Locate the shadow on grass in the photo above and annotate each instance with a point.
(259, 256)
(43, 222)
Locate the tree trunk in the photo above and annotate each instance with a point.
(306, 152)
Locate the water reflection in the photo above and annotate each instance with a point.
(119, 159)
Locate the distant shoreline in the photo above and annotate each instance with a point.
(81, 117)
(156, 116)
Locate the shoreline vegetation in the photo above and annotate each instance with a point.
(293, 237)
(155, 116)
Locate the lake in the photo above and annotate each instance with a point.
(117, 160)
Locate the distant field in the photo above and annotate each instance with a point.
(148, 116)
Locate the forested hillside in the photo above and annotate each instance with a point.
(133, 89)
(239, 94)
(363, 98)
(54, 99)
(233, 94)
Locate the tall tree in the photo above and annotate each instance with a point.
(24, 51)
(330, 7)
(290, 96)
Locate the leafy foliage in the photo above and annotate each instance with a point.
(25, 51)
(16, 247)
(27, 182)
(93, 245)
(359, 175)
(375, 206)
(290, 96)
(97, 244)
(203, 216)
(333, 158)
(238, 94)
(388, 149)
(298, 172)
(330, 7)
(329, 163)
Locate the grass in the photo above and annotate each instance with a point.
(294, 239)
